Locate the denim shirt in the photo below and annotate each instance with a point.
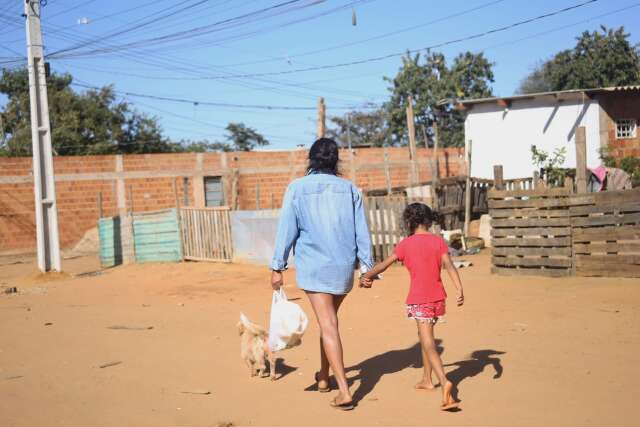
(323, 220)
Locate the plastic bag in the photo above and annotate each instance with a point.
(288, 322)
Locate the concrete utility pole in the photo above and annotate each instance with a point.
(48, 243)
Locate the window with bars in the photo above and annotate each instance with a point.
(626, 128)
(213, 194)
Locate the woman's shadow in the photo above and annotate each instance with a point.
(370, 371)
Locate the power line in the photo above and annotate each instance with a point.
(397, 54)
(206, 103)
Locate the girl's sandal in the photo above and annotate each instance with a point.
(326, 389)
(342, 406)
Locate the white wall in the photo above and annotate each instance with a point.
(505, 137)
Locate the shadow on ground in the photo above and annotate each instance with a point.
(371, 371)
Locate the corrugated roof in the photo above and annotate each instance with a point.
(558, 93)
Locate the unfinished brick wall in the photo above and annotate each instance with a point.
(621, 105)
(154, 181)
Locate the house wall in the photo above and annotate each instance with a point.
(505, 137)
(147, 182)
(620, 105)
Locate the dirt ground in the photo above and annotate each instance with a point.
(524, 351)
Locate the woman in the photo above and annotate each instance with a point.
(323, 220)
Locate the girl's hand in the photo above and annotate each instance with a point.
(276, 280)
(460, 299)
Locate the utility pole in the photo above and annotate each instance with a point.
(48, 243)
(411, 128)
(322, 111)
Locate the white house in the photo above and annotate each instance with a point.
(502, 130)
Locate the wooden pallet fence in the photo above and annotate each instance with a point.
(206, 234)
(156, 236)
(606, 234)
(531, 232)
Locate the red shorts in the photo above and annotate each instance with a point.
(427, 312)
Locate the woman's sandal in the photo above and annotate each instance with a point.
(326, 389)
(342, 406)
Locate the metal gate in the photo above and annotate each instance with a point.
(206, 234)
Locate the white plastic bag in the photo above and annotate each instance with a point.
(288, 322)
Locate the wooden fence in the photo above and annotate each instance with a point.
(206, 234)
(554, 232)
(384, 215)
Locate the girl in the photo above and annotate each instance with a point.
(424, 254)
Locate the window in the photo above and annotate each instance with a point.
(626, 128)
(213, 195)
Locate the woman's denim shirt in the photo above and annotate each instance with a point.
(323, 220)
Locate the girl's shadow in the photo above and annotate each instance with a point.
(473, 366)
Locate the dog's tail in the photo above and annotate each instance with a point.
(251, 327)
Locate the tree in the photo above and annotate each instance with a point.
(241, 138)
(469, 76)
(365, 128)
(599, 59)
(92, 122)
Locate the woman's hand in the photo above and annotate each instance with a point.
(276, 280)
(365, 281)
(460, 298)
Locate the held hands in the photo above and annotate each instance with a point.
(366, 281)
(276, 280)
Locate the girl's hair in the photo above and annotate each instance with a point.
(323, 157)
(417, 214)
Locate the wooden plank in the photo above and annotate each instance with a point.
(633, 206)
(629, 232)
(531, 222)
(611, 270)
(590, 248)
(547, 272)
(581, 159)
(533, 242)
(530, 203)
(531, 262)
(607, 260)
(618, 197)
(544, 251)
(543, 192)
(529, 213)
(542, 231)
(606, 220)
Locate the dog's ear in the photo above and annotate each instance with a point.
(240, 328)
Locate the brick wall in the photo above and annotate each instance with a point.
(621, 105)
(152, 182)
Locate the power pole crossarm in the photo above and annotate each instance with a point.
(48, 242)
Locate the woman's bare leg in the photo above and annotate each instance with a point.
(325, 310)
(425, 330)
(323, 374)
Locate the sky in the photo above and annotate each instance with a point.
(228, 60)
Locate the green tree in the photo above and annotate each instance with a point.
(241, 138)
(93, 122)
(469, 76)
(365, 128)
(599, 59)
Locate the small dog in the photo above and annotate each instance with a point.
(254, 348)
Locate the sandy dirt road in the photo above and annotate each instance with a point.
(524, 351)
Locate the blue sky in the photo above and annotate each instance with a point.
(298, 38)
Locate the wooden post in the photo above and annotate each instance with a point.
(387, 174)
(100, 204)
(185, 191)
(322, 110)
(436, 168)
(536, 179)
(498, 180)
(175, 192)
(568, 183)
(581, 160)
(234, 190)
(178, 216)
(411, 128)
(273, 201)
(467, 193)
